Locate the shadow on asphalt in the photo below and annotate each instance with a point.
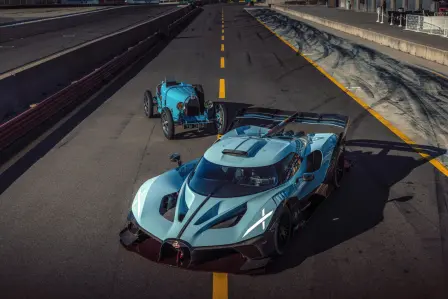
(191, 36)
(358, 205)
(194, 134)
(11, 174)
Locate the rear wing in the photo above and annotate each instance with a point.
(281, 117)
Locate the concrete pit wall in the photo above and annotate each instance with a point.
(422, 51)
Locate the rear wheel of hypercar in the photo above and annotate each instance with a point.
(338, 171)
(283, 232)
(167, 123)
(148, 104)
(221, 118)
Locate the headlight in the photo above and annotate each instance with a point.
(180, 105)
(167, 206)
(208, 104)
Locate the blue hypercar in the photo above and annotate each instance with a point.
(245, 196)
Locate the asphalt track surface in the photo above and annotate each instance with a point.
(19, 52)
(64, 203)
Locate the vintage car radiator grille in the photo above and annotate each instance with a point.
(194, 107)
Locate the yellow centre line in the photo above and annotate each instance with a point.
(222, 88)
(222, 63)
(437, 164)
(220, 280)
(220, 286)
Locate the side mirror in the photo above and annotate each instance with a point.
(176, 158)
(308, 177)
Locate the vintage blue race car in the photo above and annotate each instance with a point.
(182, 104)
(245, 196)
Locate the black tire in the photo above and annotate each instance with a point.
(283, 232)
(221, 123)
(166, 119)
(148, 104)
(338, 172)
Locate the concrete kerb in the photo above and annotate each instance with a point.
(422, 51)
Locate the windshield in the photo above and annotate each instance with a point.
(240, 181)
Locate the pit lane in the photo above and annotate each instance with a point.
(64, 204)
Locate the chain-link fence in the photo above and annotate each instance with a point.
(437, 25)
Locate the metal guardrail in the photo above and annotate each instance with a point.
(436, 25)
(81, 89)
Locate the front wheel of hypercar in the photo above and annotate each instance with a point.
(283, 232)
(221, 118)
(148, 104)
(167, 123)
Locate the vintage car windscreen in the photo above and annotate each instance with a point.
(236, 181)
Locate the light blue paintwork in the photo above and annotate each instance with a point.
(145, 207)
(262, 151)
(170, 96)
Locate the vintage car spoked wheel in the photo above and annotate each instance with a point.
(283, 232)
(167, 123)
(221, 118)
(148, 104)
